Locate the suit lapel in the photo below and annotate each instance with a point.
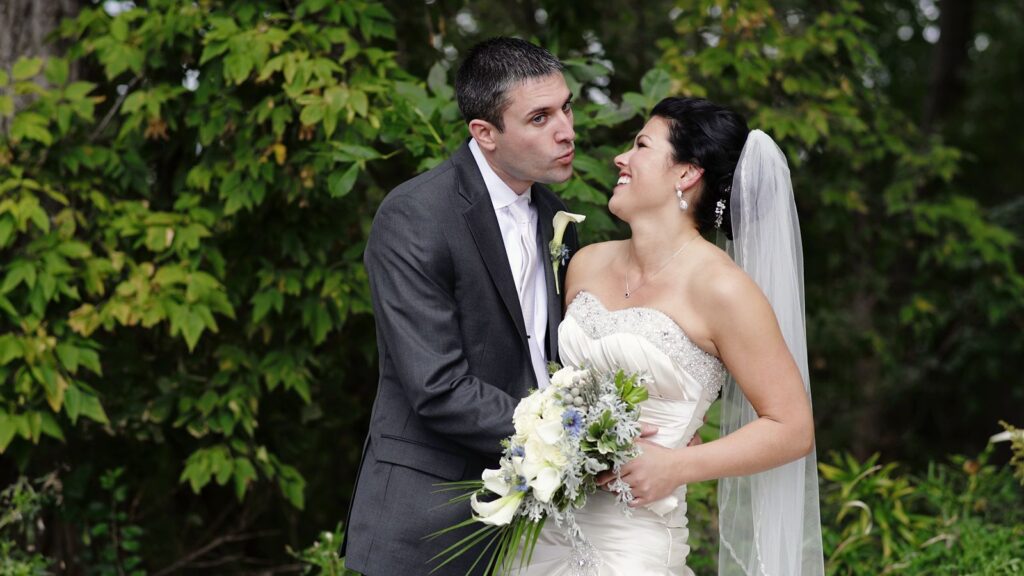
(545, 213)
(483, 225)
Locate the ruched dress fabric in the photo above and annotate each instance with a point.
(684, 381)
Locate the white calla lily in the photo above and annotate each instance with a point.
(497, 512)
(546, 483)
(559, 254)
(494, 480)
(561, 222)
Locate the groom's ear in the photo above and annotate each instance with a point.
(483, 132)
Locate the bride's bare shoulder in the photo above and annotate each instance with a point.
(595, 255)
(725, 287)
(590, 264)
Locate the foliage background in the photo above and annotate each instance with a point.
(187, 356)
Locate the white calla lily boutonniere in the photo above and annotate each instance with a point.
(559, 251)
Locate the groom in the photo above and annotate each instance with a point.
(465, 304)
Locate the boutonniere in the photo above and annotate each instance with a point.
(559, 251)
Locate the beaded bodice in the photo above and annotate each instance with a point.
(658, 329)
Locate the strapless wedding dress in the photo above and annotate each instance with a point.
(685, 381)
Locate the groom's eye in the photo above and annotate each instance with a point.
(539, 118)
(567, 107)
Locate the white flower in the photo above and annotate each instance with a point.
(559, 253)
(546, 483)
(561, 222)
(527, 413)
(494, 480)
(1006, 436)
(542, 468)
(497, 512)
(563, 378)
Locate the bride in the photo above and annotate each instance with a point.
(699, 319)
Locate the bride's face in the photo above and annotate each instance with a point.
(647, 173)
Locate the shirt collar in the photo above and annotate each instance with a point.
(501, 194)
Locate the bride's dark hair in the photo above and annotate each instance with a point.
(710, 136)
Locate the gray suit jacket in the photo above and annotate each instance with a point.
(454, 362)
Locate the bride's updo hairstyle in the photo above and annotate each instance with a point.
(711, 137)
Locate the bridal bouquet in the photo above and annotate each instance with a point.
(583, 423)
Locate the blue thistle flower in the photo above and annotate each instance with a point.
(572, 421)
(518, 451)
(520, 485)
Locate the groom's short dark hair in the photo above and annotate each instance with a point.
(491, 69)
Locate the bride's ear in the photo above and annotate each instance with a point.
(690, 176)
(483, 132)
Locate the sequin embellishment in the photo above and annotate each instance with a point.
(657, 328)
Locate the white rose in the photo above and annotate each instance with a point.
(540, 454)
(563, 377)
(527, 412)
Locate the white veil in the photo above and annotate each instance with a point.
(769, 523)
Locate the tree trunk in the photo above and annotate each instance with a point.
(26, 26)
(949, 62)
(25, 31)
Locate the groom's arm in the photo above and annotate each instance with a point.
(411, 279)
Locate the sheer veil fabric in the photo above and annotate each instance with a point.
(769, 523)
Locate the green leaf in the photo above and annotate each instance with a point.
(26, 68)
(244, 474)
(10, 348)
(91, 407)
(73, 403)
(7, 430)
(353, 152)
(68, 356)
(90, 359)
(293, 486)
(56, 71)
(119, 29)
(656, 84)
(263, 302)
(339, 184)
(50, 427)
(312, 114)
(6, 230)
(221, 465)
(74, 249)
(78, 90)
(359, 102)
(207, 402)
(212, 50)
(192, 329)
(31, 126)
(19, 272)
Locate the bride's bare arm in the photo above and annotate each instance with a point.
(746, 334)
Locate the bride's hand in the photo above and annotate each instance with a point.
(651, 475)
(647, 430)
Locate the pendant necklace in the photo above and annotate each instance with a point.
(629, 260)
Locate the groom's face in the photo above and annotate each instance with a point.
(537, 143)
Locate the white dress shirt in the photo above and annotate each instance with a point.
(512, 214)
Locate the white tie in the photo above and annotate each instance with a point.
(527, 284)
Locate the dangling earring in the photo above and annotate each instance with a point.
(683, 204)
